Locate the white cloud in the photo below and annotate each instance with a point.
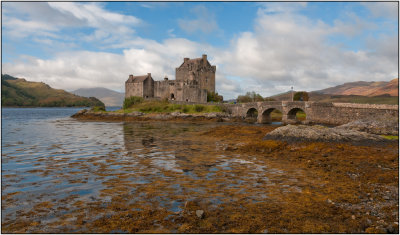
(285, 48)
(383, 9)
(290, 49)
(48, 19)
(205, 21)
(280, 7)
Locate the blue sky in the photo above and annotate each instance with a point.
(257, 46)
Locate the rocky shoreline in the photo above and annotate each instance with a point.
(139, 116)
(318, 133)
(358, 132)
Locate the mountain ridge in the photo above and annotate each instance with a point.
(19, 92)
(107, 96)
(364, 88)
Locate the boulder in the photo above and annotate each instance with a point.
(385, 125)
(295, 133)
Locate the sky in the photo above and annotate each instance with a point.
(266, 47)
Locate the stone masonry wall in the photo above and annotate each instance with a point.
(316, 112)
(342, 113)
(133, 89)
(180, 90)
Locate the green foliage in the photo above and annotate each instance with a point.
(199, 108)
(7, 77)
(154, 106)
(22, 93)
(390, 137)
(214, 97)
(250, 97)
(128, 102)
(300, 96)
(98, 109)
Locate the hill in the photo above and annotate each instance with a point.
(365, 88)
(22, 93)
(353, 92)
(107, 96)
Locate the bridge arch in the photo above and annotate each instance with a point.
(251, 114)
(296, 114)
(267, 114)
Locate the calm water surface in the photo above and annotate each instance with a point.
(49, 157)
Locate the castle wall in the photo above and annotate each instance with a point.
(198, 70)
(193, 79)
(133, 89)
(148, 88)
(180, 91)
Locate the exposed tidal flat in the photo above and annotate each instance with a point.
(64, 175)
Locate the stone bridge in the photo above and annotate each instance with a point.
(316, 112)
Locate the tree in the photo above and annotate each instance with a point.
(214, 97)
(301, 96)
(250, 97)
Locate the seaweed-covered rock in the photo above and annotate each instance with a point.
(381, 126)
(294, 133)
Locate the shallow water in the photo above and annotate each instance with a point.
(52, 165)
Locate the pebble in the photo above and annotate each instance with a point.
(386, 197)
(200, 213)
(353, 217)
(329, 201)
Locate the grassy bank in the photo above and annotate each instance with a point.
(155, 106)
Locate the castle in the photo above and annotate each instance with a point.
(194, 78)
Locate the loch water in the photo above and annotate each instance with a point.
(52, 161)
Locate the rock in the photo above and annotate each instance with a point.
(79, 113)
(135, 114)
(353, 217)
(329, 201)
(385, 125)
(390, 229)
(200, 213)
(386, 197)
(292, 133)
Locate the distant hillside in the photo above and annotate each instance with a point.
(365, 88)
(283, 96)
(107, 96)
(19, 92)
(353, 92)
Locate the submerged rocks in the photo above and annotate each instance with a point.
(294, 133)
(385, 125)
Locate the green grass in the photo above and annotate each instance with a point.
(390, 137)
(301, 115)
(166, 107)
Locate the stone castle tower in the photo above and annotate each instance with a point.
(198, 71)
(194, 78)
